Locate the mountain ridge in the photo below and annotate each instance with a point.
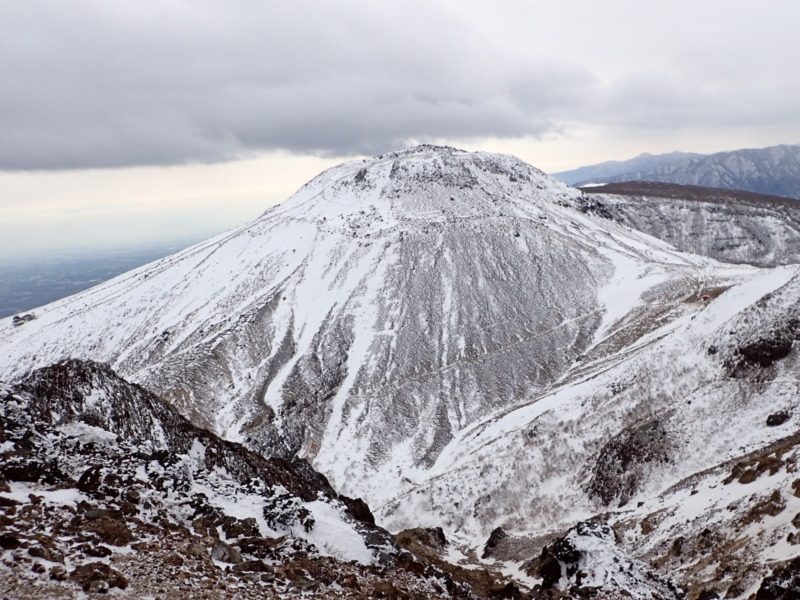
(643, 162)
(727, 225)
(774, 170)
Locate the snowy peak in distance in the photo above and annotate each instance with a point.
(612, 168)
(774, 170)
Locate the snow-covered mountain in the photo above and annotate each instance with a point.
(382, 249)
(384, 308)
(645, 162)
(469, 344)
(774, 170)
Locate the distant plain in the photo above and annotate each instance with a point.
(28, 285)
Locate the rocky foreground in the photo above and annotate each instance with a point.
(105, 488)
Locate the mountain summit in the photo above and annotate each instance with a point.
(387, 305)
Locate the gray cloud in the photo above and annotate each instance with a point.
(100, 84)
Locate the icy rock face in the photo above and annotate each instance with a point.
(735, 228)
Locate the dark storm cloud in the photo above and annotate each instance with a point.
(111, 84)
(655, 103)
(98, 83)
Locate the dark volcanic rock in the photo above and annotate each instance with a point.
(91, 479)
(619, 468)
(764, 352)
(110, 531)
(497, 536)
(234, 528)
(47, 553)
(260, 547)
(783, 584)
(87, 575)
(358, 509)
(9, 541)
(777, 419)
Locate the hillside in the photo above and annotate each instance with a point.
(727, 225)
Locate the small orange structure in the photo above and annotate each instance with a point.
(705, 298)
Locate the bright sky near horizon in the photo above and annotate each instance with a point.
(131, 123)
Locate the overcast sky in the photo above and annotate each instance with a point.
(155, 119)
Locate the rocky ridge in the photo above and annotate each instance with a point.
(96, 498)
(730, 226)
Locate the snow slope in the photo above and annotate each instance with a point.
(386, 306)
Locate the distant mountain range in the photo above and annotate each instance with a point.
(612, 168)
(774, 170)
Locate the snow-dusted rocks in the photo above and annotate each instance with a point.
(587, 562)
(98, 498)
